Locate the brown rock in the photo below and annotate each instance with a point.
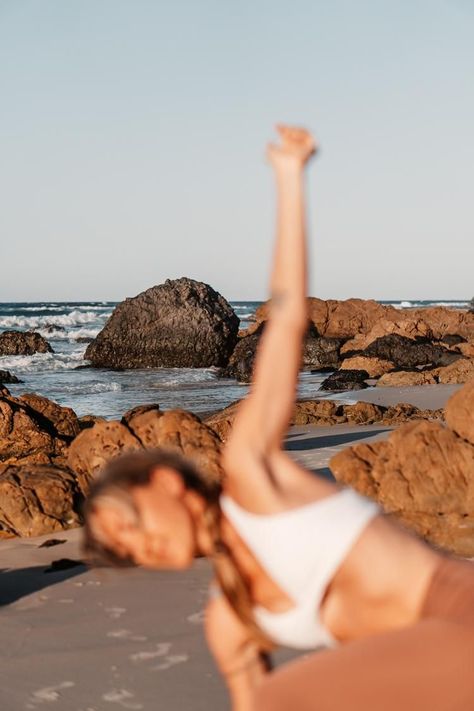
(375, 367)
(181, 431)
(28, 436)
(399, 324)
(23, 343)
(328, 412)
(403, 412)
(459, 412)
(221, 422)
(405, 378)
(145, 427)
(38, 499)
(466, 349)
(64, 419)
(95, 446)
(424, 475)
(363, 413)
(461, 371)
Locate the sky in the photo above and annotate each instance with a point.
(132, 140)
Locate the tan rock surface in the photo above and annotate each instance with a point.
(96, 445)
(38, 499)
(423, 474)
(329, 412)
(181, 431)
(399, 324)
(375, 367)
(461, 371)
(28, 435)
(64, 419)
(145, 427)
(403, 378)
(459, 412)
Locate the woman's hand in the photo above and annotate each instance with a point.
(238, 658)
(296, 147)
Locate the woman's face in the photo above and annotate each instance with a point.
(162, 533)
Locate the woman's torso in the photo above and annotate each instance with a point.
(330, 569)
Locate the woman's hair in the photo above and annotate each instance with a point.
(112, 488)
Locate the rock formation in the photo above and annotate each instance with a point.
(179, 324)
(146, 427)
(37, 499)
(346, 380)
(329, 412)
(423, 474)
(319, 353)
(23, 343)
(34, 430)
(7, 377)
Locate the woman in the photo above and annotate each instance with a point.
(298, 560)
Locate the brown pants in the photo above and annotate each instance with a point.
(428, 666)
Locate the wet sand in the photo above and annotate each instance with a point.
(98, 640)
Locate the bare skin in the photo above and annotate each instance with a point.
(362, 599)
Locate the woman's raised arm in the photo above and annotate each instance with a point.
(263, 417)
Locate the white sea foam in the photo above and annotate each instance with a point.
(71, 335)
(170, 377)
(42, 362)
(74, 318)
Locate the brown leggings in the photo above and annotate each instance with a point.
(428, 666)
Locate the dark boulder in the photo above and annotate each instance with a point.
(182, 324)
(23, 343)
(452, 339)
(319, 353)
(346, 380)
(406, 352)
(7, 377)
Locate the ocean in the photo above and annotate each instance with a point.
(60, 377)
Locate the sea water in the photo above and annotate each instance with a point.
(61, 376)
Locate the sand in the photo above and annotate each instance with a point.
(98, 640)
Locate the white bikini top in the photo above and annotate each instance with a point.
(301, 550)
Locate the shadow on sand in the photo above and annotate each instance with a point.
(306, 443)
(15, 584)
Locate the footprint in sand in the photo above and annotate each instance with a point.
(143, 656)
(126, 634)
(162, 650)
(171, 661)
(197, 618)
(49, 693)
(115, 612)
(123, 698)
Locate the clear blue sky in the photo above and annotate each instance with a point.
(132, 136)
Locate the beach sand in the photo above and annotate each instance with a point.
(98, 640)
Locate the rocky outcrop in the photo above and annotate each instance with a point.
(407, 378)
(23, 343)
(319, 353)
(7, 377)
(337, 319)
(406, 352)
(181, 323)
(423, 475)
(145, 428)
(459, 412)
(346, 380)
(329, 412)
(38, 499)
(457, 373)
(34, 430)
(374, 367)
